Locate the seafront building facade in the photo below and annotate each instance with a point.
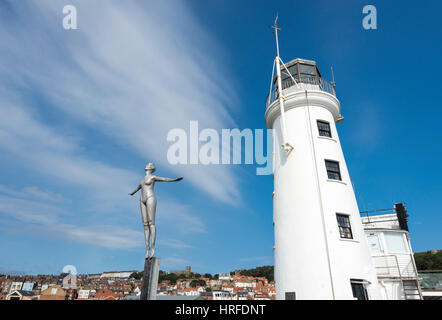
(393, 258)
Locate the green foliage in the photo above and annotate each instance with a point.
(208, 289)
(136, 275)
(170, 276)
(207, 275)
(428, 260)
(193, 275)
(265, 272)
(196, 283)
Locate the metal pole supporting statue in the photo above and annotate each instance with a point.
(148, 205)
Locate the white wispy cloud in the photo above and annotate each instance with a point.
(29, 211)
(179, 217)
(45, 195)
(174, 262)
(106, 187)
(55, 155)
(132, 70)
(34, 192)
(46, 220)
(176, 244)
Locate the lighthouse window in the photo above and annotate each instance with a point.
(308, 73)
(324, 129)
(286, 76)
(333, 171)
(344, 226)
(307, 69)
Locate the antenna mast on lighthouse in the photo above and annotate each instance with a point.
(287, 146)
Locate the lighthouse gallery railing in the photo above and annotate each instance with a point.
(322, 84)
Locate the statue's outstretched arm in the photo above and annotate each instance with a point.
(167, 179)
(136, 190)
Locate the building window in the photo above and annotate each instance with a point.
(344, 226)
(333, 171)
(374, 243)
(358, 288)
(395, 242)
(324, 129)
(290, 296)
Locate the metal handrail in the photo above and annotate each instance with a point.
(323, 85)
(387, 265)
(402, 275)
(417, 276)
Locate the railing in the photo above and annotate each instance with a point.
(306, 83)
(394, 266)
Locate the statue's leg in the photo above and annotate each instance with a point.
(146, 226)
(153, 232)
(151, 210)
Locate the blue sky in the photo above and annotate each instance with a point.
(82, 112)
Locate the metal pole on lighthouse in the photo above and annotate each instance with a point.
(287, 146)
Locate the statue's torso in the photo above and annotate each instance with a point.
(147, 185)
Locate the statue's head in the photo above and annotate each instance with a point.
(150, 167)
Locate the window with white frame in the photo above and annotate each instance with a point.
(395, 242)
(333, 170)
(374, 243)
(324, 128)
(344, 226)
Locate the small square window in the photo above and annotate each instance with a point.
(333, 170)
(344, 226)
(324, 129)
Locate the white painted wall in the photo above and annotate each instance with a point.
(391, 290)
(391, 264)
(384, 221)
(310, 258)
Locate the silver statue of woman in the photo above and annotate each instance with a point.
(148, 205)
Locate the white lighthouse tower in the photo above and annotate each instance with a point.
(320, 247)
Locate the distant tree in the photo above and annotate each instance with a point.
(170, 276)
(264, 272)
(136, 275)
(195, 283)
(428, 260)
(208, 289)
(208, 275)
(216, 276)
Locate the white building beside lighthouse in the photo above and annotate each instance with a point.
(321, 251)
